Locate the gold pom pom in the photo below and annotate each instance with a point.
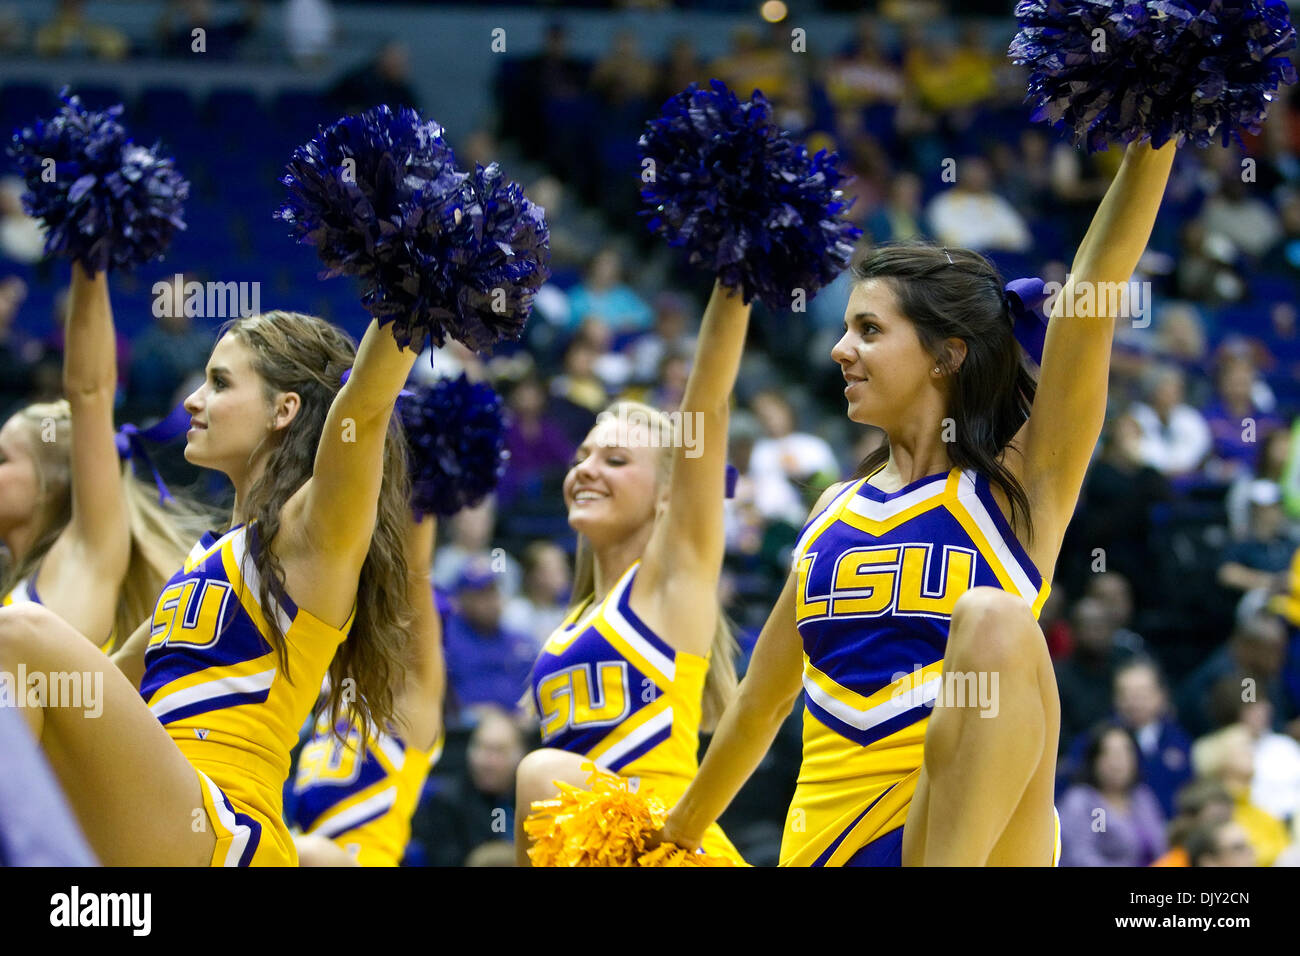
(606, 825)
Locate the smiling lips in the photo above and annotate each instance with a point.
(852, 380)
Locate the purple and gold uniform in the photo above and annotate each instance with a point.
(609, 688)
(878, 574)
(364, 804)
(215, 682)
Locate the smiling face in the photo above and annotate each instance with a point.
(885, 367)
(612, 486)
(230, 413)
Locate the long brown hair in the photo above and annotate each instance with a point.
(720, 682)
(957, 293)
(300, 353)
(161, 534)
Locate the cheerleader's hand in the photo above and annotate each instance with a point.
(668, 833)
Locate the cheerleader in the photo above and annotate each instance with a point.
(645, 657)
(353, 802)
(186, 760)
(85, 538)
(916, 584)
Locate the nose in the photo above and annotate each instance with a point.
(193, 401)
(842, 352)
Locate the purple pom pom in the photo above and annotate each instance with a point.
(747, 201)
(499, 260)
(456, 438)
(439, 252)
(111, 203)
(1121, 70)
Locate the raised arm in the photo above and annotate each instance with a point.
(748, 726)
(419, 706)
(688, 541)
(335, 510)
(1057, 441)
(99, 533)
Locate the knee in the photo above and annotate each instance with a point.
(537, 773)
(993, 629)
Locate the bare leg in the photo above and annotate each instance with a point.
(985, 791)
(535, 780)
(137, 799)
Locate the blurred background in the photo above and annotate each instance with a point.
(1179, 582)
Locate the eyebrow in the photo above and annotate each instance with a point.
(861, 315)
(218, 370)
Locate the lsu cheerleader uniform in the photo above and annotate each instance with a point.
(608, 687)
(216, 684)
(363, 804)
(878, 574)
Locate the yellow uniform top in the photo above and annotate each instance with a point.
(362, 804)
(877, 576)
(608, 687)
(215, 682)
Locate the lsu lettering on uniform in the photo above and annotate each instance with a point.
(215, 682)
(24, 592)
(877, 576)
(364, 804)
(609, 688)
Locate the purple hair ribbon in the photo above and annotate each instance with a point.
(1025, 300)
(130, 443)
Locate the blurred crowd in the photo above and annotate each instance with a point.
(1174, 618)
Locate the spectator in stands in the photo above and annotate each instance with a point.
(579, 385)
(1275, 787)
(1114, 517)
(540, 452)
(166, 353)
(384, 79)
(467, 810)
(603, 295)
(1242, 217)
(1113, 590)
(1255, 651)
(218, 40)
(487, 662)
(1086, 677)
(1110, 818)
(949, 76)
(1227, 756)
(681, 68)
(22, 238)
(623, 74)
(1223, 843)
(901, 216)
(1283, 259)
(863, 75)
(309, 31)
(469, 535)
(69, 33)
(1260, 562)
(671, 335)
(971, 215)
(540, 607)
(786, 460)
(1164, 748)
(1200, 803)
(13, 32)
(1175, 436)
(755, 62)
(1207, 269)
(1237, 424)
